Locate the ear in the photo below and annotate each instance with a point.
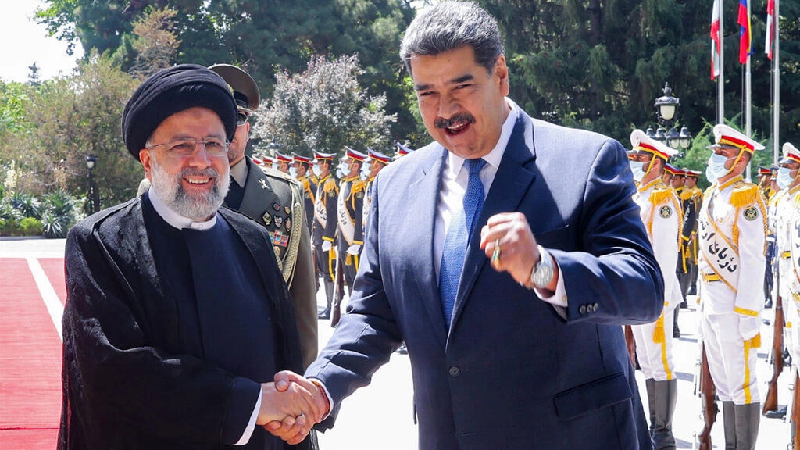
(501, 71)
(146, 158)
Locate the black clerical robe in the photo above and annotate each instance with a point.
(138, 369)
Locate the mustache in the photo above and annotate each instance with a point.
(460, 117)
(192, 172)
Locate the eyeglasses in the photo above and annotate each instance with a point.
(241, 118)
(186, 147)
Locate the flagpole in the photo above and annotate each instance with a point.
(721, 77)
(748, 91)
(776, 83)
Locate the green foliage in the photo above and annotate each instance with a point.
(324, 109)
(60, 213)
(70, 118)
(13, 97)
(26, 204)
(31, 226)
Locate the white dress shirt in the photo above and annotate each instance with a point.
(454, 186)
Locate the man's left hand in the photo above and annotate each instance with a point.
(517, 252)
(353, 249)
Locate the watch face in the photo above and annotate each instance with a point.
(542, 275)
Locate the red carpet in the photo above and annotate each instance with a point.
(30, 363)
(54, 269)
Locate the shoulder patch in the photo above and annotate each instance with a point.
(751, 213)
(665, 212)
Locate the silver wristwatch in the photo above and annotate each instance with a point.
(542, 273)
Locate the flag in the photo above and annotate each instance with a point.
(746, 41)
(770, 29)
(715, 41)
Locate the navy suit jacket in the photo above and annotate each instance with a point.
(511, 372)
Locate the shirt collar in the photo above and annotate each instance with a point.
(496, 155)
(174, 219)
(239, 172)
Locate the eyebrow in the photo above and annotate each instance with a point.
(457, 80)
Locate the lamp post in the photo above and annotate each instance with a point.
(666, 107)
(94, 197)
(273, 148)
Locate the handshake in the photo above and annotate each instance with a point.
(291, 405)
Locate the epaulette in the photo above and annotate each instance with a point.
(776, 198)
(329, 186)
(661, 194)
(686, 195)
(358, 186)
(744, 194)
(708, 190)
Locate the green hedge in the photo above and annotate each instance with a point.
(28, 226)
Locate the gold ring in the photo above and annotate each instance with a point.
(496, 254)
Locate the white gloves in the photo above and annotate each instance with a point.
(326, 246)
(353, 249)
(749, 326)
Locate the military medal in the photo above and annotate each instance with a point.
(665, 212)
(267, 218)
(278, 221)
(288, 224)
(276, 207)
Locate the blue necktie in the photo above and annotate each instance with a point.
(457, 240)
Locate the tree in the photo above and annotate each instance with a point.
(324, 109)
(69, 119)
(156, 45)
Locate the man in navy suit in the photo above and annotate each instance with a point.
(514, 332)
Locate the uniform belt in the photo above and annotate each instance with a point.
(786, 255)
(708, 277)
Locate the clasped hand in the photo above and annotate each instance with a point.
(290, 406)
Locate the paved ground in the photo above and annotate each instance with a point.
(380, 415)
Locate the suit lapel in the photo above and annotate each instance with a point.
(426, 189)
(511, 184)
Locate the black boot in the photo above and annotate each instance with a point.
(326, 314)
(729, 425)
(676, 332)
(747, 421)
(666, 393)
(650, 386)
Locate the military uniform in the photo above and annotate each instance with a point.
(692, 201)
(732, 232)
(276, 202)
(309, 184)
(349, 213)
(382, 159)
(661, 214)
(324, 229)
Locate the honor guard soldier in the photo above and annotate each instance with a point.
(765, 182)
(786, 240)
(324, 229)
(692, 201)
(282, 162)
(660, 212)
(375, 162)
(732, 232)
(669, 172)
(276, 202)
(301, 171)
(677, 180)
(267, 161)
(349, 212)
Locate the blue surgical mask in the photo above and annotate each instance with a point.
(716, 167)
(785, 178)
(316, 169)
(292, 172)
(637, 168)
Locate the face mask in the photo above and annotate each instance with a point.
(316, 169)
(716, 167)
(292, 172)
(637, 167)
(785, 178)
(364, 171)
(342, 170)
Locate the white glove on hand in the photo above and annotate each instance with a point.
(749, 326)
(353, 249)
(326, 246)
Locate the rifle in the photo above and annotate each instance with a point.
(631, 344)
(707, 394)
(338, 289)
(771, 400)
(796, 412)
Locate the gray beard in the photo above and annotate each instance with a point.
(198, 208)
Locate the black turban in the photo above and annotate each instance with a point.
(173, 90)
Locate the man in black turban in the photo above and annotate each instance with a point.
(177, 316)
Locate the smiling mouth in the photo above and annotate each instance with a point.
(197, 181)
(456, 124)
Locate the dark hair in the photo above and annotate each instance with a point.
(451, 25)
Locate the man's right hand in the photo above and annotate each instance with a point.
(291, 428)
(327, 246)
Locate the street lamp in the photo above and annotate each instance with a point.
(667, 104)
(94, 197)
(666, 107)
(273, 148)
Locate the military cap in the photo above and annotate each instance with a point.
(283, 158)
(670, 169)
(378, 156)
(323, 156)
(763, 171)
(402, 150)
(352, 154)
(300, 158)
(725, 136)
(790, 153)
(245, 90)
(692, 173)
(642, 143)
